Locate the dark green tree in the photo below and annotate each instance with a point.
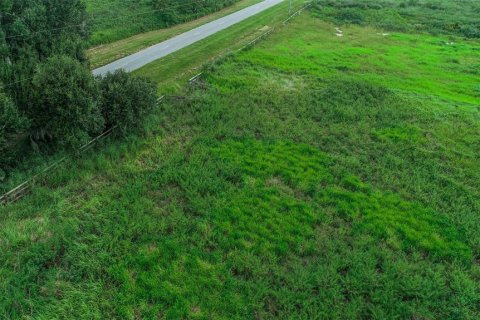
(31, 32)
(126, 99)
(66, 107)
(11, 125)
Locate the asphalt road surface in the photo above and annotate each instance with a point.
(162, 49)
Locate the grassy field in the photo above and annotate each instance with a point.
(447, 17)
(107, 53)
(313, 176)
(172, 72)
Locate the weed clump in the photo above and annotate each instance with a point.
(353, 92)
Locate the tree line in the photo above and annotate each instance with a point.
(49, 99)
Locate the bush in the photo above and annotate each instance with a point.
(125, 99)
(470, 32)
(11, 125)
(350, 15)
(67, 102)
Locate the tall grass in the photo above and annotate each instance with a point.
(452, 17)
(312, 176)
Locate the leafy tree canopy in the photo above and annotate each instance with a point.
(11, 122)
(126, 100)
(66, 107)
(30, 32)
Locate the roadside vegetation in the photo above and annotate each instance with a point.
(49, 100)
(312, 176)
(176, 70)
(113, 20)
(172, 72)
(105, 53)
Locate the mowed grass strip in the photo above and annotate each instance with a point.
(106, 53)
(171, 72)
(114, 20)
(290, 182)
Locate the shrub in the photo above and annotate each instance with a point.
(350, 15)
(67, 102)
(126, 100)
(470, 32)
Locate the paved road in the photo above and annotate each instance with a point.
(150, 54)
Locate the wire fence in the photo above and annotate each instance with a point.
(243, 47)
(22, 189)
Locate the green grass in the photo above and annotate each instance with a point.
(114, 20)
(448, 17)
(171, 72)
(386, 216)
(313, 176)
(107, 53)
